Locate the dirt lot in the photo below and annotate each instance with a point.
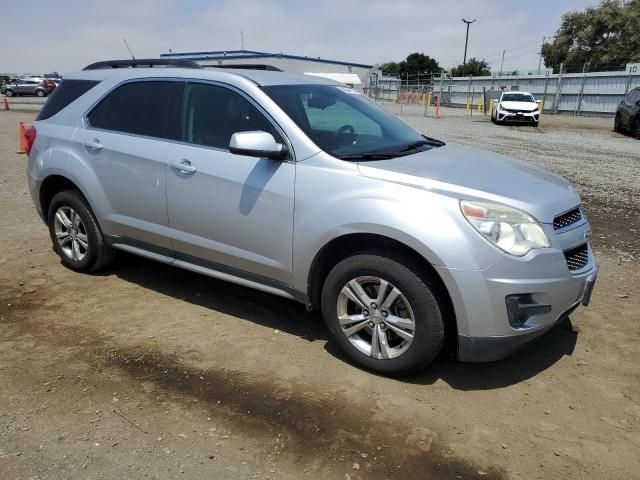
(146, 371)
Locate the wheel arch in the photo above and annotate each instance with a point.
(52, 185)
(350, 244)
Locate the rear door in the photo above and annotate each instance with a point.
(124, 143)
(229, 211)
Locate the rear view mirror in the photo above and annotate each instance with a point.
(320, 101)
(257, 144)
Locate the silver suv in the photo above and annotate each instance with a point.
(40, 87)
(306, 189)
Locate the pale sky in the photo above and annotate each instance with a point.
(65, 35)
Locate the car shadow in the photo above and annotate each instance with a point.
(220, 296)
(291, 317)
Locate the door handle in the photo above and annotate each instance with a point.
(183, 166)
(94, 145)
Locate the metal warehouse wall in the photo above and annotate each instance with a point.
(595, 93)
(298, 66)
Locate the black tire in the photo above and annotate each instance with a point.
(535, 124)
(418, 289)
(636, 128)
(616, 124)
(9, 93)
(41, 93)
(98, 253)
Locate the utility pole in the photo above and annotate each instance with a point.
(466, 43)
(540, 59)
(502, 63)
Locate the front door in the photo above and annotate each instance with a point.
(228, 212)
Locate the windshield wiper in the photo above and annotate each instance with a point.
(427, 141)
(369, 156)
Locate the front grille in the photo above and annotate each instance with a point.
(577, 257)
(566, 219)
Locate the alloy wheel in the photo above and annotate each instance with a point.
(376, 317)
(71, 233)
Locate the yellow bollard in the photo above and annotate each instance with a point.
(395, 100)
(490, 107)
(429, 98)
(468, 107)
(541, 106)
(424, 98)
(480, 104)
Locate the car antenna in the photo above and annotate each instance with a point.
(127, 45)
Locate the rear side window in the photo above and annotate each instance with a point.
(67, 92)
(149, 108)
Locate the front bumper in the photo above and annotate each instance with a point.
(525, 117)
(479, 299)
(491, 348)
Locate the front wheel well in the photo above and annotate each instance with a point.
(348, 245)
(51, 186)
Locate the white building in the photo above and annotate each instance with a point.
(351, 73)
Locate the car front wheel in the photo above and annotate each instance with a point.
(383, 313)
(74, 231)
(40, 93)
(616, 123)
(9, 93)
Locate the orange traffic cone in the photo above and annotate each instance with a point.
(6, 104)
(22, 137)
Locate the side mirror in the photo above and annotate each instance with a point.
(257, 144)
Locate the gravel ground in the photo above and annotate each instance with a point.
(147, 371)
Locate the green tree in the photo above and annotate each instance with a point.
(413, 64)
(603, 37)
(473, 67)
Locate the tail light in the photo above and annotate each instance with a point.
(30, 138)
(49, 84)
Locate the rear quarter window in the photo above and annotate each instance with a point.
(68, 91)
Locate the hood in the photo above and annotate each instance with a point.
(526, 106)
(471, 173)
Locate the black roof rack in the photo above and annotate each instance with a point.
(143, 63)
(247, 66)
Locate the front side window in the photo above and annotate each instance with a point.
(150, 108)
(212, 114)
(346, 124)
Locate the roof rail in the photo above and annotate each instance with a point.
(246, 66)
(143, 63)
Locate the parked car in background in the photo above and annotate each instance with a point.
(29, 86)
(304, 188)
(628, 114)
(519, 107)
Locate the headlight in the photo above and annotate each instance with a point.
(510, 229)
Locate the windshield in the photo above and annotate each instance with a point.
(517, 97)
(346, 124)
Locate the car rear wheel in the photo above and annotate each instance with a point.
(383, 313)
(40, 93)
(636, 128)
(9, 93)
(76, 236)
